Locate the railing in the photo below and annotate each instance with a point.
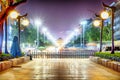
(63, 54)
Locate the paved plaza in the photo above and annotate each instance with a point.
(59, 69)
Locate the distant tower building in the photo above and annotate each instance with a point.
(60, 42)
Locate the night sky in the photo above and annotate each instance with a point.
(62, 16)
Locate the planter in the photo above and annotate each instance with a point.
(5, 65)
(13, 62)
(94, 59)
(26, 59)
(107, 63)
(21, 59)
(118, 67)
(0, 66)
(115, 66)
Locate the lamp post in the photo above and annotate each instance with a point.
(112, 8)
(15, 15)
(38, 23)
(44, 30)
(19, 21)
(96, 23)
(83, 23)
(76, 33)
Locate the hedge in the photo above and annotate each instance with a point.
(108, 55)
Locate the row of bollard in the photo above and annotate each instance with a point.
(67, 54)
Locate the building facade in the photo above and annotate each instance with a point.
(117, 21)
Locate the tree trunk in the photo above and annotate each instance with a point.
(1, 37)
(5, 27)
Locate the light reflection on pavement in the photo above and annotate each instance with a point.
(60, 69)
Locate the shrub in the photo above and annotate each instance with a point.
(23, 53)
(4, 56)
(108, 55)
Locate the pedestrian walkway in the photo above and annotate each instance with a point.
(60, 69)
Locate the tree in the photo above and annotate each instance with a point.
(107, 33)
(6, 7)
(92, 34)
(28, 35)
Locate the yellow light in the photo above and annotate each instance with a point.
(104, 15)
(96, 23)
(14, 14)
(25, 22)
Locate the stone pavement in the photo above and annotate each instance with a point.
(59, 69)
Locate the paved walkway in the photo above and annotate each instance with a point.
(59, 69)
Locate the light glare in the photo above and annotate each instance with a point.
(14, 14)
(96, 23)
(104, 15)
(25, 22)
(38, 22)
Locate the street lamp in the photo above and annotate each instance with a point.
(19, 21)
(83, 23)
(112, 8)
(38, 23)
(104, 14)
(96, 22)
(99, 22)
(44, 30)
(76, 33)
(15, 15)
(25, 22)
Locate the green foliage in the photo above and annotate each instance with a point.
(92, 34)
(28, 35)
(107, 33)
(23, 53)
(14, 31)
(108, 55)
(4, 56)
(42, 48)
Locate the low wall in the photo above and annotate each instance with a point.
(13, 62)
(106, 62)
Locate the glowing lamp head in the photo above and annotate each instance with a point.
(25, 22)
(96, 23)
(14, 14)
(38, 22)
(104, 15)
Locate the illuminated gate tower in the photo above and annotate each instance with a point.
(60, 43)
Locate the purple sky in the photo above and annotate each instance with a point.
(62, 16)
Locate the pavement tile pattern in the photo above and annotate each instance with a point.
(59, 69)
